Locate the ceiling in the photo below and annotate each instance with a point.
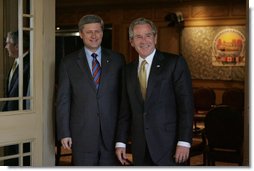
(108, 4)
(65, 3)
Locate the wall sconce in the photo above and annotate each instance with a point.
(174, 19)
(179, 16)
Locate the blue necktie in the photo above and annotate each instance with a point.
(96, 70)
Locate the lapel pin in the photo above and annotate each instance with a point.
(107, 61)
(158, 66)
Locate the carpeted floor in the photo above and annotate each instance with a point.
(194, 161)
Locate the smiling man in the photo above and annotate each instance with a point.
(158, 104)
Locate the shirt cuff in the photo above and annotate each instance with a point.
(184, 144)
(120, 144)
(180, 143)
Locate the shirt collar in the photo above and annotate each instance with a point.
(149, 58)
(89, 53)
(17, 59)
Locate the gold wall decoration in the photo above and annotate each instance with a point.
(228, 48)
(197, 48)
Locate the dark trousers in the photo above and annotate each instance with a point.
(101, 157)
(146, 160)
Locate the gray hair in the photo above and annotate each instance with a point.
(140, 21)
(87, 19)
(14, 36)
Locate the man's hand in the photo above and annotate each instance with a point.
(121, 155)
(66, 143)
(182, 154)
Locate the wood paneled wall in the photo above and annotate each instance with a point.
(195, 13)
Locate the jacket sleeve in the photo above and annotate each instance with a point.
(123, 124)
(184, 99)
(63, 103)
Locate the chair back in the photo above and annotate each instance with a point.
(204, 99)
(234, 98)
(224, 128)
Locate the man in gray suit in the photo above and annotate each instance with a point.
(159, 94)
(88, 97)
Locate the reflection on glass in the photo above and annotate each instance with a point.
(10, 60)
(10, 150)
(11, 162)
(27, 104)
(12, 78)
(26, 147)
(26, 161)
(13, 152)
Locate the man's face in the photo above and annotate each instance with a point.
(144, 40)
(11, 48)
(92, 34)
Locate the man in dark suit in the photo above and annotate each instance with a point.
(159, 94)
(12, 83)
(88, 99)
(12, 87)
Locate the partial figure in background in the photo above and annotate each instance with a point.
(160, 110)
(12, 88)
(12, 83)
(88, 98)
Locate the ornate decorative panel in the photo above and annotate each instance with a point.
(196, 47)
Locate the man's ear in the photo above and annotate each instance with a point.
(156, 39)
(131, 42)
(16, 46)
(81, 34)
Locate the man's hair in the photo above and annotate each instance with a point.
(14, 36)
(91, 18)
(140, 21)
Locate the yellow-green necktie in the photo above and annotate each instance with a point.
(142, 78)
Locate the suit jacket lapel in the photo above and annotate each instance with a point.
(83, 64)
(15, 77)
(135, 81)
(105, 65)
(13, 80)
(156, 68)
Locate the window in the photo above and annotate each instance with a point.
(16, 154)
(16, 80)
